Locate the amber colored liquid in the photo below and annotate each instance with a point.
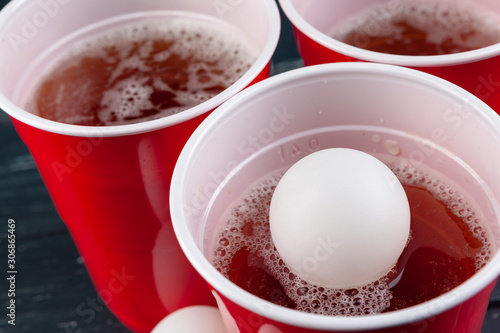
(426, 28)
(443, 252)
(121, 80)
(440, 256)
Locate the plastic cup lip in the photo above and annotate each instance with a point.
(292, 317)
(402, 60)
(258, 66)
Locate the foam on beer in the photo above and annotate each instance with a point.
(340, 218)
(468, 25)
(215, 55)
(198, 39)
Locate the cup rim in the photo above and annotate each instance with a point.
(292, 317)
(403, 60)
(251, 74)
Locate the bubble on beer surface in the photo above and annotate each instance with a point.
(246, 226)
(340, 218)
(454, 201)
(446, 27)
(198, 318)
(143, 71)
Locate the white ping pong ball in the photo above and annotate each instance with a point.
(197, 318)
(340, 218)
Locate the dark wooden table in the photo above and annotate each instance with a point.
(52, 283)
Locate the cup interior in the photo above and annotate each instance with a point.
(370, 107)
(317, 18)
(32, 32)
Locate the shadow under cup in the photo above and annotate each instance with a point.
(273, 124)
(110, 184)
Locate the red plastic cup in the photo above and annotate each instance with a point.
(275, 123)
(477, 71)
(110, 184)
